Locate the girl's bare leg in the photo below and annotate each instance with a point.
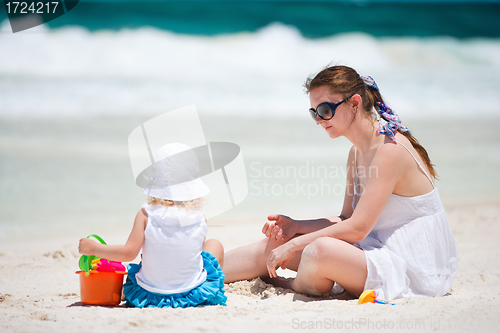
(248, 262)
(326, 260)
(215, 247)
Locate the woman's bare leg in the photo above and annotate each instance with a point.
(215, 247)
(249, 261)
(326, 260)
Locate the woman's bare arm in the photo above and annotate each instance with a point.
(371, 204)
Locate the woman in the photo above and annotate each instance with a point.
(392, 236)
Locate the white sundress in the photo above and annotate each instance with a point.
(411, 250)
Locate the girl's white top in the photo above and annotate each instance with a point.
(171, 253)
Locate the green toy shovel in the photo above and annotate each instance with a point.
(85, 262)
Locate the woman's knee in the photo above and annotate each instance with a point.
(319, 247)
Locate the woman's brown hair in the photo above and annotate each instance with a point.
(347, 82)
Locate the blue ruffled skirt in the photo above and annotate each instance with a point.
(210, 292)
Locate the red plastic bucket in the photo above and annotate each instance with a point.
(101, 288)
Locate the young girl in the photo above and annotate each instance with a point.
(179, 268)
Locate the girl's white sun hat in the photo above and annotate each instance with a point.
(175, 174)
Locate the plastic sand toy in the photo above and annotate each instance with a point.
(85, 262)
(101, 280)
(104, 265)
(370, 296)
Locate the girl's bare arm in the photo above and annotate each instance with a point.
(126, 252)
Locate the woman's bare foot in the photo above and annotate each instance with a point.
(279, 281)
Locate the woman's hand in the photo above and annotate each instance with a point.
(280, 257)
(284, 227)
(86, 246)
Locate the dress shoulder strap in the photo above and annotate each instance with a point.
(418, 163)
(355, 153)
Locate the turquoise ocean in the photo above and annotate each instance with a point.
(73, 89)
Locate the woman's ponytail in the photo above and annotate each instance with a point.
(374, 98)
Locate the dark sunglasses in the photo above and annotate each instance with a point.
(325, 110)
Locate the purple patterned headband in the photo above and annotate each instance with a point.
(369, 82)
(390, 122)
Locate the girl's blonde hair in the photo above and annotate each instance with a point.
(191, 204)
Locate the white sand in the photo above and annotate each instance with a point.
(39, 292)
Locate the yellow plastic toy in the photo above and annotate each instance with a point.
(370, 296)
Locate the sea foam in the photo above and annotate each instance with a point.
(73, 72)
